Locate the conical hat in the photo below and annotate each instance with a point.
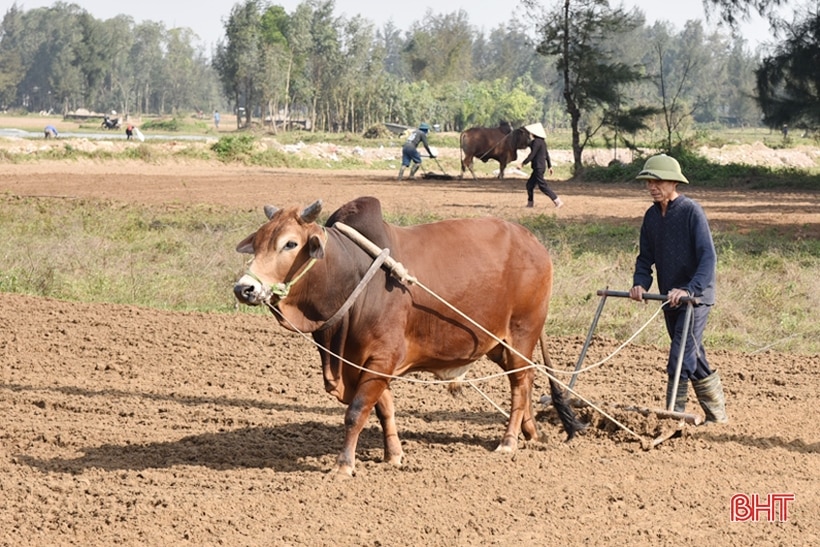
(536, 129)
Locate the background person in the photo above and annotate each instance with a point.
(540, 158)
(410, 152)
(50, 131)
(675, 238)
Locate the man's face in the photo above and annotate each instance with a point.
(661, 190)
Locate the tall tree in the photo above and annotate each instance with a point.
(237, 61)
(12, 70)
(581, 35)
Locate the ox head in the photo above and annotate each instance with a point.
(283, 250)
(520, 138)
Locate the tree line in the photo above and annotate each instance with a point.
(578, 63)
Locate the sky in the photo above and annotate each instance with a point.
(207, 22)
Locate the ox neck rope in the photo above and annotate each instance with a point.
(374, 267)
(490, 149)
(400, 272)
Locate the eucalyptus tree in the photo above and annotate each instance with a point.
(145, 61)
(739, 106)
(51, 43)
(237, 61)
(359, 76)
(439, 48)
(119, 78)
(391, 43)
(313, 35)
(277, 63)
(325, 61)
(12, 69)
(179, 71)
(507, 53)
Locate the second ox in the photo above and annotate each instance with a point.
(500, 143)
(372, 328)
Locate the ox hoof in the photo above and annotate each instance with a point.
(507, 446)
(341, 472)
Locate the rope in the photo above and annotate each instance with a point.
(618, 349)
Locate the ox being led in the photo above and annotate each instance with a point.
(317, 279)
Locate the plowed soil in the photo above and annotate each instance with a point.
(131, 426)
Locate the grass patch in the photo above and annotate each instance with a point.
(182, 257)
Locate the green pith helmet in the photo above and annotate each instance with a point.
(662, 167)
(424, 127)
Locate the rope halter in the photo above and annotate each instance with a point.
(282, 289)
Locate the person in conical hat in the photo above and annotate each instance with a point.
(676, 240)
(540, 158)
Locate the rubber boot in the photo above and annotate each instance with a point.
(401, 172)
(680, 396)
(709, 392)
(413, 170)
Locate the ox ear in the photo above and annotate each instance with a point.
(311, 212)
(246, 245)
(316, 246)
(270, 210)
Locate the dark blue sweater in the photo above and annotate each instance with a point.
(680, 247)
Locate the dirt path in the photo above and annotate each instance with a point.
(132, 426)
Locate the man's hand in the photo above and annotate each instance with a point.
(636, 293)
(675, 295)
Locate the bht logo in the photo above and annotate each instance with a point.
(747, 508)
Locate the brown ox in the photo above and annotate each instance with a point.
(494, 271)
(500, 143)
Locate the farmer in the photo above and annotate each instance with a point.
(50, 131)
(216, 119)
(409, 152)
(540, 158)
(675, 238)
(129, 131)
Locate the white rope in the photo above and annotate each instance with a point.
(618, 349)
(531, 364)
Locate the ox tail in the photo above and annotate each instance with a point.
(570, 421)
(461, 151)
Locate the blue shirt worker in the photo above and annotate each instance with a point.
(50, 131)
(410, 151)
(675, 238)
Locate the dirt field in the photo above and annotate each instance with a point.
(132, 426)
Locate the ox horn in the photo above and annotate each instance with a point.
(270, 210)
(311, 212)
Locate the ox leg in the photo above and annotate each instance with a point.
(467, 163)
(521, 414)
(522, 418)
(358, 411)
(387, 417)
